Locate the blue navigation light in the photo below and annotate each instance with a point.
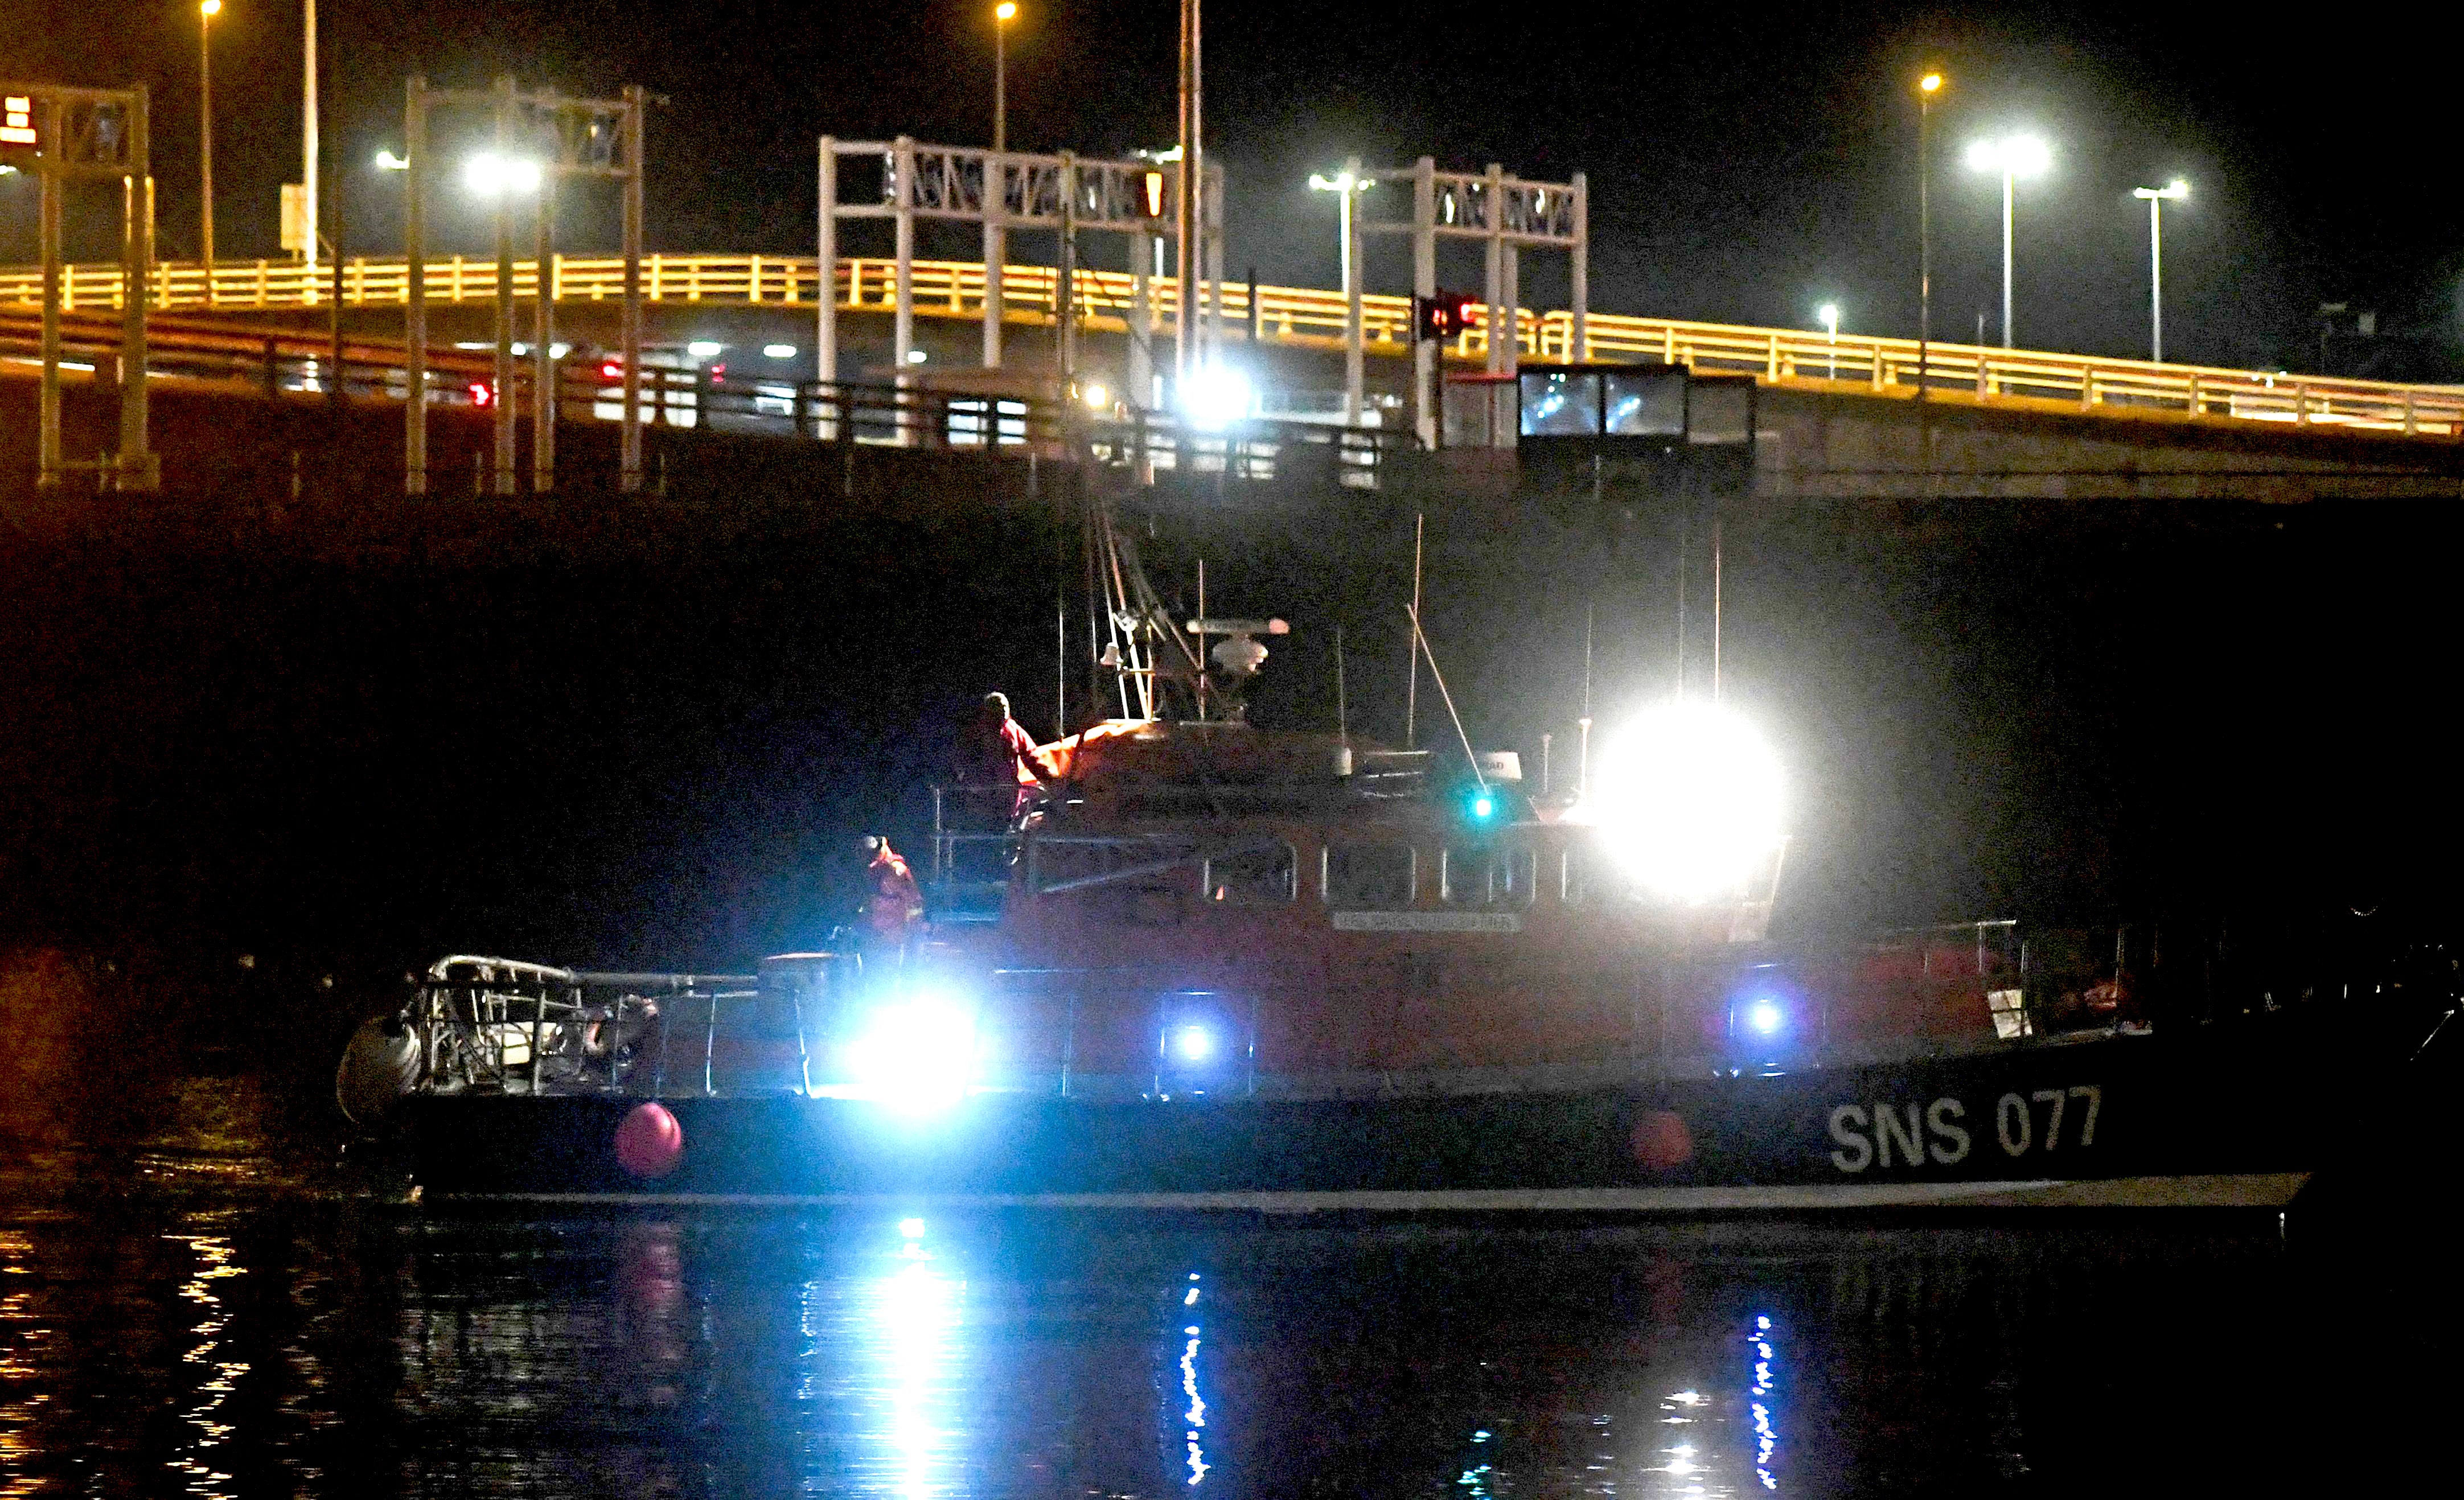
(1193, 1044)
(910, 1229)
(1765, 1017)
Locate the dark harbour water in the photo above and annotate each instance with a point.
(217, 1309)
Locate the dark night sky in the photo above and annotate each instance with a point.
(1746, 162)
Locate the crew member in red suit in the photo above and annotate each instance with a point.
(892, 905)
(993, 753)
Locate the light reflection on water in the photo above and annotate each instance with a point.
(316, 1347)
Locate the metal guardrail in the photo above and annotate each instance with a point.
(288, 364)
(1316, 319)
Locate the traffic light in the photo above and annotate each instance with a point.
(1150, 195)
(1444, 315)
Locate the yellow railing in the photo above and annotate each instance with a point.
(1314, 318)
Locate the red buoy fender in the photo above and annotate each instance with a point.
(1662, 1141)
(649, 1142)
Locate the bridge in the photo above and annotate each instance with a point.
(1838, 415)
(1305, 318)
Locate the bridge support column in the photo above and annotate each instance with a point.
(902, 323)
(50, 463)
(1354, 335)
(137, 467)
(996, 207)
(1428, 397)
(1580, 275)
(1499, 360)
(825, 268)
(414, 303)
(637, 111)
(505, 406)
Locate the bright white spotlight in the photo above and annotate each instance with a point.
(705, 349)
(1764, 1016)
(1217, 397)
(778, 351)
(1194, 1045)
(1096, 397)
(1689, 796)
(489, 174)
(917, 1055)
(910, 1229)
(2021, 156)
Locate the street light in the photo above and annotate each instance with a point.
(1002, 15)
(1927, 88)
(490, 175)
(1828, 314)
(2014, 157)
(2156, 198)
(207, 11)
(1347, 184)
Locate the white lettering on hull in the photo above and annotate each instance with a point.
(1428, 922)
(1885, 1133)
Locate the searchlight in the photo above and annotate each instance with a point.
(1688, 798)
(1216, 397)
(917, 1054)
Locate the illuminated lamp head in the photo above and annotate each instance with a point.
(917, 1055)
(1688, 798)
(1193, 1043)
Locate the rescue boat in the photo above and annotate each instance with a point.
(1224, 967)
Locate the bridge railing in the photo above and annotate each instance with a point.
(301, 366)
(1107, 301)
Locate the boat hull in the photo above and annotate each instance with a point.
(2211, 1117)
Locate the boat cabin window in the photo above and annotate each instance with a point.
(1262, 873)
(1487, 875)
(1593, 877)
(1057, 864)
(1369, 876)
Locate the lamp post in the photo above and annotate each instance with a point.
(1828, 314)
(2014, 157)
(1002, 15)
(1346, 185)
(207, 11)
(2156, 198)
(1927, 88)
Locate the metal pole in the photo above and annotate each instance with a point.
(1426, 360)
(2010, 190)
(414, 317)
(308, 137)
(1185, 250)
(49, 465)
(1578, 333)
(1142, 322)
(1411, 647)
(1925, 242)
(2155, 280)
(1342, 229)
(205, 144)
(1354, 333)
(902, 321)
(1066, 272)
(543, 366)
(1492, 297)
(504, 372)
(825, 265)
(996, 205)
(636, 126)
(137, 468)
(1000, 86)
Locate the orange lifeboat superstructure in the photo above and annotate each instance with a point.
(1236, 908)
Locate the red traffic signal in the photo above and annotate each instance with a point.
(1444, 315)
(483, 393)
